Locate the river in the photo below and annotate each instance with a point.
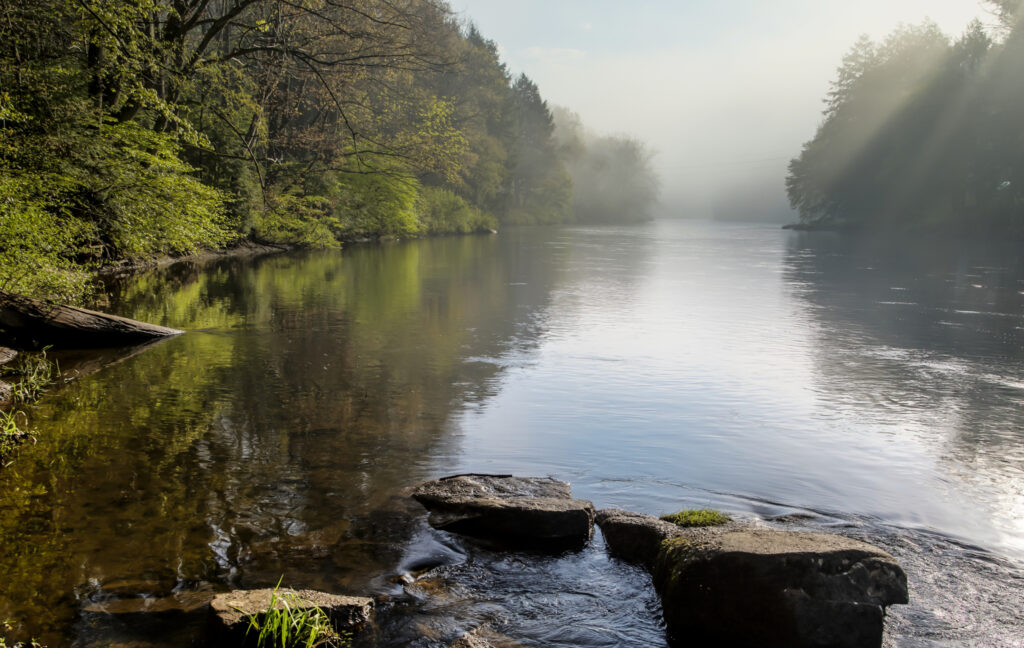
(875, 390)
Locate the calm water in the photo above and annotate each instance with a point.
(879, 391)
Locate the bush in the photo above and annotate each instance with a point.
(443, 212)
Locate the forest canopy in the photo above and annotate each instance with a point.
(922, 133)
(140, 128)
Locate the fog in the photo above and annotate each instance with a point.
(724, 93)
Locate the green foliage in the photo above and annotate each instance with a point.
(33, 373)
(288, 623)
(134, 130)
(377, 197)
(11, 433)
(697, 518)
(38, 244)
(297, 219)
(441, 211)
(141, 197)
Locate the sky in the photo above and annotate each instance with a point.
(723, 92)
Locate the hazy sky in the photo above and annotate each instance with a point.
(725, 92)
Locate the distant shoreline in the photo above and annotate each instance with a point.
(814, 227)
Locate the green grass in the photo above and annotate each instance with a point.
(34, 373)
(11, 434)
(697, 518)
(287, 623)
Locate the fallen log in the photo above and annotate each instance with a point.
(28, 323)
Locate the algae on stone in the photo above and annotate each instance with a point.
(697, 518)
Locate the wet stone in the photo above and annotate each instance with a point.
(185, 602)
(746, 586)
(634, 537)
(230, 611)
(513, 512)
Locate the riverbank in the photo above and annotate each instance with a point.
(242, 248)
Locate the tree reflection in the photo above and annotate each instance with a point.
(309, 389)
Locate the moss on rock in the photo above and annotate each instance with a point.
(697, 518)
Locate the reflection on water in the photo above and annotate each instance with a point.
(658, 367)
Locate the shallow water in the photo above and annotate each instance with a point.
(679, 364)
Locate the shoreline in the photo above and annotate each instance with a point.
(245, 247)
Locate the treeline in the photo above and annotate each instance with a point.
(612, 176)
(133, 129)
(922, 133)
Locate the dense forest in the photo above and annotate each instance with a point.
(137, 129)
(922, 133)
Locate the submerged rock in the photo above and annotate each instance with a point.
(484, 637)
(230, 611)
(736, 585)
(526, 512)
(185, 602)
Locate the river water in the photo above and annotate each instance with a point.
(875, 390)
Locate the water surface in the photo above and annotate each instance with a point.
(875, 389)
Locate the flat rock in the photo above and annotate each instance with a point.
(521, 512)
(230, 611)
(6, 355)
(744, 586)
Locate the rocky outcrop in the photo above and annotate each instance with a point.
(30, 323)
(520, 512)
(230, 612)
(744, 586)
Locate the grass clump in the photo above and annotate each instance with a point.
(32, 375)
(11, 434)
(289, 623)
(697, 518)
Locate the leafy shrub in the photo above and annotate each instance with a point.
(441, 211)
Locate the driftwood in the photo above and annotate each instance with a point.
(30, 323)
